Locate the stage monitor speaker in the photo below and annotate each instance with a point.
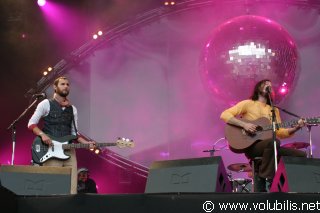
(36, 180)
(296, 174)
(188, 175)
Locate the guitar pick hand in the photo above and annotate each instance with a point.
(46, 139)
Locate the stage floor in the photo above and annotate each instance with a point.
(171, 202)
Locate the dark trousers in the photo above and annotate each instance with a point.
(265, 150)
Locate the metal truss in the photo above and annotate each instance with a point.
(120, 29)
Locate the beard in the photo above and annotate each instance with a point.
(263, 94)
(62, 93)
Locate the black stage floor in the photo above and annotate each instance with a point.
(171, 202)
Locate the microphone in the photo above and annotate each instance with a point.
(268, 89)
(40, 95)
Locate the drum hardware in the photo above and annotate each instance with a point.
(240, 167)
(296, 145)
(239, 184)
(308, 125)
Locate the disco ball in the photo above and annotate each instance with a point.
(245, 50)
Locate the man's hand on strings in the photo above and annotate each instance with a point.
(46, 139)
(249, 127)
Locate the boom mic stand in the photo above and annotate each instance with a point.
(12, 126)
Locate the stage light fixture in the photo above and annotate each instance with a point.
(45, 73)
(95, 36)
(41, 3)
(50, 69)
(283, 90)
(97, 151)
(169, 3)
(100, 33)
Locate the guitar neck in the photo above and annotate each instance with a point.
(286, 124)
(81, 145)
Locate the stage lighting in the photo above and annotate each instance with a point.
(97, 151)
(169, 3)
(95, 36)
(50, 69)
(41, 3)
(45, 73)
(283, 89)
(100, 33)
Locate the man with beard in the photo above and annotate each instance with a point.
(259, 106)
(60, 119)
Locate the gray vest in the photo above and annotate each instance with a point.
(58, 122)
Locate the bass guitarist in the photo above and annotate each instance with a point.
(259, 107)
(59, 119)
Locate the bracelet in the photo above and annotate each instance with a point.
(41, 133)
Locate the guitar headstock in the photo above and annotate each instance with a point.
(124, 142)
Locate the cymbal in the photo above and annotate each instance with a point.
(240, 167)
(296, 145)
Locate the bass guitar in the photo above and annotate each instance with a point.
(239, 139)
(41, 152)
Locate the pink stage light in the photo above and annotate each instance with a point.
(283, 90)
(41, 3)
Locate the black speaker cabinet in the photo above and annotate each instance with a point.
(36, 180)
(297, 174)
(188, 175)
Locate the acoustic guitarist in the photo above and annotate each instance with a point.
(60, 119)
(258, 107)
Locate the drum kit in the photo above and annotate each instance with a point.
(244, 184)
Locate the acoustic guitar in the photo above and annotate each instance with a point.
(239, 139)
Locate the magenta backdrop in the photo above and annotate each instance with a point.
(146, 86)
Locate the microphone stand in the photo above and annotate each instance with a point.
(12, 126)
(211, 151)
(308, 127)
(273, 121)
